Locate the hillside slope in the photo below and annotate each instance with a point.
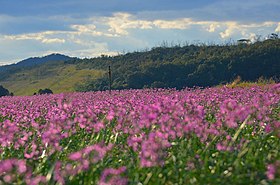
(187, 66)
(28, 76)
(179, 67)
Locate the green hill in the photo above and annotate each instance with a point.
(187, 66)
(177, 66)
(56, 75)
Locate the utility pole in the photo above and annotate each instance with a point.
(110, 78)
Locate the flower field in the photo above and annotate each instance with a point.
(193, 136)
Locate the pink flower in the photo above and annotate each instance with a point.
(7, 178)
(271, 170)
(112, 176)
(75, 156)
(58, 175)
(21, 165)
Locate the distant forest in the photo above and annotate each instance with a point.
(160, 67)
(185, 66)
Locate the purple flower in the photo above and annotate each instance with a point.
(271, 170)
(112, 176)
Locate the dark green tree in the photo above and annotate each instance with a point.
(187, 66)
(45, 91)
(4, 91)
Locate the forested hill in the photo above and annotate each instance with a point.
(31, 62)
(186, 66)
(168, 67)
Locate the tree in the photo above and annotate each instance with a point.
(273, 36)
(4, 91)
(243, 41)
(188, 66)
(157, 84)
(45, 91)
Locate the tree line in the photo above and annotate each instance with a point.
(173, 66)
(5, 92)
(186, 66)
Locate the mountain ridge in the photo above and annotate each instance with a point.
(160, 67)
(46, 58)
(31, 61)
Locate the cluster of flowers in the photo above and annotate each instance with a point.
(33, 129)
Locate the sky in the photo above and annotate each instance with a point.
(90, 28)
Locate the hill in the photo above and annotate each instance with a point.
(176, 66)
(33, 61)
(187, 66)
(39, 60)
(30, 75)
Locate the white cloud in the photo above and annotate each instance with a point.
(88, 29)
(278, 28)
(212, 27)
(121, 22)
(84, 28)
(55, 40)
(231, 28)
(246, 30)
(173, 24)
(95, 50)
(46, 37)
(124, 31)
(31, 36)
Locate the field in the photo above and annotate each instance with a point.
(59, 78)
(194, 136)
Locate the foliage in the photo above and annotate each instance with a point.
(45, 91)
(166, 67)
(238, 82)
(187, 66)
(57, 76)
(4, 91)
(193, 136)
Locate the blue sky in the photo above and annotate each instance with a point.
(88, 28)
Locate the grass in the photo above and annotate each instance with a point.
(238, 82)
(57, 78)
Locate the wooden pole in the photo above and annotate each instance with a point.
(110, 79)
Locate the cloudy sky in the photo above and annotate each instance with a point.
(88, 28)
